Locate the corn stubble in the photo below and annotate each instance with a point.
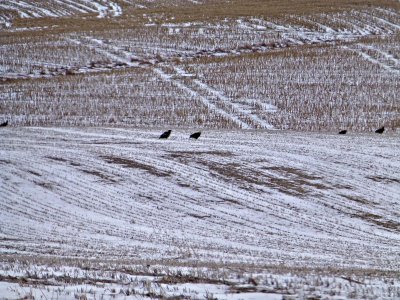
(297, 66)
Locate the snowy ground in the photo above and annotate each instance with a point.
(232, 199)
(245, 212)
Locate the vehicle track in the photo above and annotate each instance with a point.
(364, 52)
(212, 99)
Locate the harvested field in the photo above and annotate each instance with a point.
(269, 203)
(250, 202)
(123, 63)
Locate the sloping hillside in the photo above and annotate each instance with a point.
(248, 197)
(269, 203)
(249, 201)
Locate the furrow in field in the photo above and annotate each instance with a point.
(218, 188)
(80, 194)
(6, 19)
(354, 196)
(105, 8)
(180, 200)
(13, 7)
(47, 178)
(42, 203)
(182, 203)
(250, 197)
(197, 175)
(321, 168)
(87, 220)
(75, 6)
(206, 185)
(35, 11)
(213, 191)
(142, 193)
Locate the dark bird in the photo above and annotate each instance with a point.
(166, 134)
(342, 131)
(195, 135)
(380, 130)
(4, 124)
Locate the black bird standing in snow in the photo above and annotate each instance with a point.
(342, 131)
(380, 130)
(4, 124)
(195, 135)
(166, 134)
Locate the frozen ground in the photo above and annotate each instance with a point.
(246, 211)
(243, 200)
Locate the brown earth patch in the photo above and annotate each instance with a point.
(130, 163)
(100, 175)
(384, 179)
(379, 220)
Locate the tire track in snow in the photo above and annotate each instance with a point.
(387, 12)
(238, 118)
(215, 100)
(362, 23)
(205, 100)
(381, 20)
(324, 27)
(259, 123)
(101, 47)
(386, 55)
(361, 50)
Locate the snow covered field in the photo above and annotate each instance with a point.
(269, 203)
(307, 204)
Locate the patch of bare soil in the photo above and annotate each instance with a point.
(380, 221)
(384, 179)
(130, 163)
(102, 176)
(176, 279)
